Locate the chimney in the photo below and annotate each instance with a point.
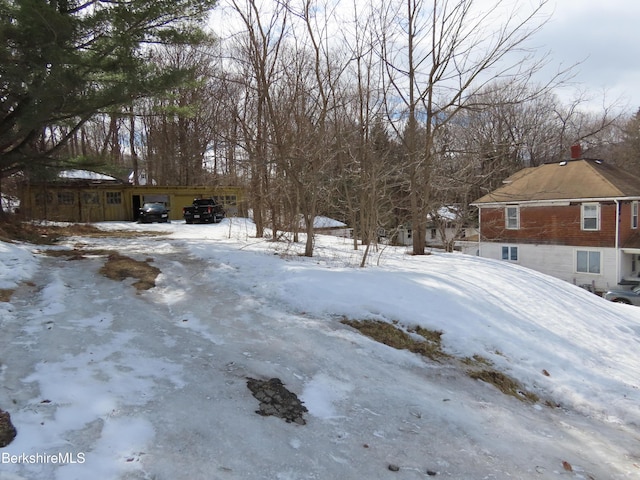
(576, 151)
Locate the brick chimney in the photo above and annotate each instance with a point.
(576, 151)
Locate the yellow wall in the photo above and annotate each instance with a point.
(115, 202)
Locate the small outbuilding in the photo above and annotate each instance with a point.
(329, 226)
(83, 196)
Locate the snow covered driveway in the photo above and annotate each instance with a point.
(104, 382)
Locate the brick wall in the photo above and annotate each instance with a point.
(556, 225)
(625, 222)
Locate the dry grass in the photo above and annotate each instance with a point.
(43, 234)
(395, 337)
(77, 253)
(432, 336)
(477, 360)
(504, 383)
(5, 294)
(478, 367)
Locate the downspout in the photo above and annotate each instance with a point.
(479, 230)
(617, 240)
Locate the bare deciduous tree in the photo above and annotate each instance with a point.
(439, 53)
(259, 49)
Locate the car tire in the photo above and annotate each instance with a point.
(621, 300)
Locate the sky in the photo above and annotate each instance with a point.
(105, 382)
(603, 36)
(600, 37)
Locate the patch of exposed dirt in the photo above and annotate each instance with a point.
(276, 400)
(5, 294)
(120, 267)
(117, 266)
(7, 430)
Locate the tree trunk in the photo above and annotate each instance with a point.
(132, 145)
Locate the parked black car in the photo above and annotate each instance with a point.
(203, 210)
(153, 212)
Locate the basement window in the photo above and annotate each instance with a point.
(588, 261)
(510, 253)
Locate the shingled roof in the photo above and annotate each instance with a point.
(570, 180)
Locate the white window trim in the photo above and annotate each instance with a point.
(506, 217)
(508, 259)
(588, 250)
(582, 217)
(634, 214)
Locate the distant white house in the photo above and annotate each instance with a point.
(329, 226)
(9, 204)
(142, 178)
(446, 228)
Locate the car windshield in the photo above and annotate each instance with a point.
(636, 289)
(153, 206)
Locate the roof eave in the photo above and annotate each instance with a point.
(556, 201)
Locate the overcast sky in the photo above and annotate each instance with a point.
(605, 36)
(602, 36)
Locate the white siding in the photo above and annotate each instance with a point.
(559, 261)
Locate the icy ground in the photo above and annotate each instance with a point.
(116, 384)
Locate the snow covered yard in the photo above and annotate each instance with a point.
(105, 381)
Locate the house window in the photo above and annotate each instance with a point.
(90, 198)
(66, 198)
(512, 218)
(114, 198)
(510, 253)
(634, 214)
(590, 216)
(41, 198)
(588, 261)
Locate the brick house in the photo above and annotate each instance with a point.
(576, 220)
